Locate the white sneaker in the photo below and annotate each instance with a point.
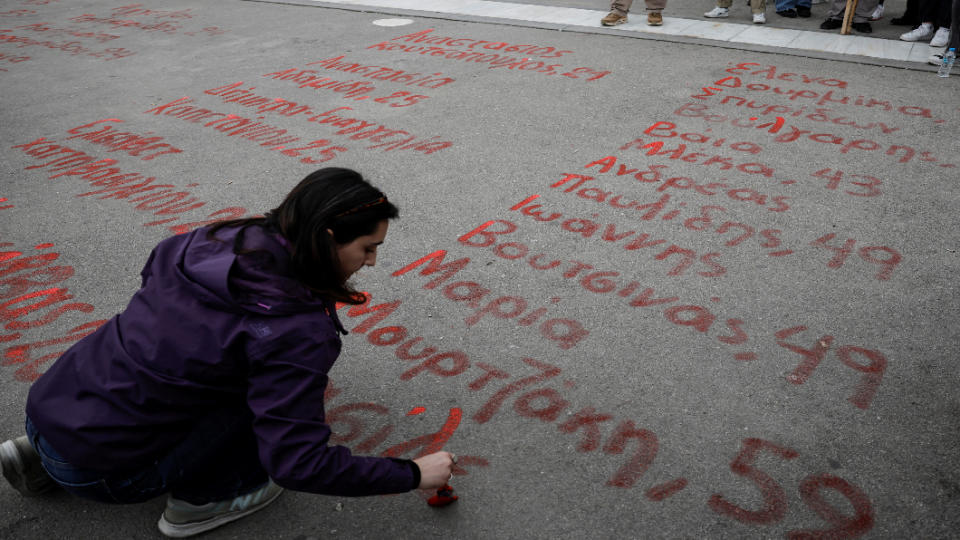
(181, 519)
(941, 38)
(935, 59)
(717, 12)
(759, 18)
(920, 33)
(877, 13)
(22, 468)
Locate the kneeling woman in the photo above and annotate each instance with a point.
(210, 384)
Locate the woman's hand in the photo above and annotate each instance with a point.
(435, 469)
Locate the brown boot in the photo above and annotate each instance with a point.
(613, 19)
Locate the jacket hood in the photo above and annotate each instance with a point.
(259, 280)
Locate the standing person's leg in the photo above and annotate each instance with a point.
(910, 15)
(954, 42)
(943, 14)
(941, 20)
(722, 10)
(786, 8)
(836, 10)
(658, 5)
(759, 8)
(834, 15)
(955, 26)
(865, 8)
(926, 12)
(621, 7)
(654, 7)
(618, 13)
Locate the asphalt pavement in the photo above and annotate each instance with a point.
(689, 281)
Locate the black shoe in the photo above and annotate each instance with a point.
(788, 13)
(831, 24)
(803, 11)
(862, 27)
(905, 21)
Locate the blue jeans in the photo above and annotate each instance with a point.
(216, 461)
(792, 4)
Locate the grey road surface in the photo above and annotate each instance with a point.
(650, 288)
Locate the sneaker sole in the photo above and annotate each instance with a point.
(183, 530)
(621, 21)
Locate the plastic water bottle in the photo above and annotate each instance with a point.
(947, 63)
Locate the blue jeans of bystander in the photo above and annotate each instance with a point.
(792, 4)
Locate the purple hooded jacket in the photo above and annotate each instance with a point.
(210, 330)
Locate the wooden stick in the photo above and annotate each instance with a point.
(848, 16)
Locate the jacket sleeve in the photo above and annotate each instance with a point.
(285, 394)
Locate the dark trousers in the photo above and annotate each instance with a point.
(955, 27)
(936, 12)
(216, 461)
(912, 13)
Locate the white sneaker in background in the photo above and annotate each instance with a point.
(877, 13)
(941, 38)
(717, 12)
(920, 33)
(759, 18)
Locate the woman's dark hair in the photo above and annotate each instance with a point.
(332, 198)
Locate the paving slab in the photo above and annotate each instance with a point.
(695, 291)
